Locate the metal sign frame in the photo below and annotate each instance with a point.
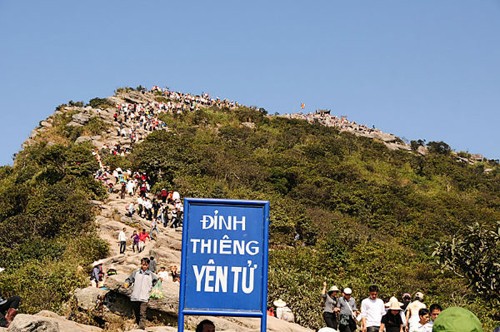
(224, 259)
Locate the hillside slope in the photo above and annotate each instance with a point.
(344, 207)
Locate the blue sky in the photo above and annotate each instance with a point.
(421, 69)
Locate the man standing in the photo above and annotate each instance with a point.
(346, 307)
(412, 311)
(434, 310)
(143, 281)
(423, 323)
(122, 239)
(372, 310)
(152, 264)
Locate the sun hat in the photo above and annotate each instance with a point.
(393, 305)
(333, 289)
(279, 303)
(455, 319)
(347, 291)
(393, 300)
(419, 295)
(406, 295)
(99, 262)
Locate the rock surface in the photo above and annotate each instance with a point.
(47, 321)
(112, 306)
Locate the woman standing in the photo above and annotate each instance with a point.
(392, 320)
(330, 299)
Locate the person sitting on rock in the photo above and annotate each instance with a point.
(8, 309)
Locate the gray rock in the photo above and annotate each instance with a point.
(168, 305)
(83, 139)
(74, 124)
(45, 124)
(33, 323)
(86, 298)
(81, 118)
(47, 321)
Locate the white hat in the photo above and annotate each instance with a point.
(347, 291)
(393, 305)
(99, 262)
(393, 299)
(1, 269)
(419, 295)
(333, 289)
(279, 303)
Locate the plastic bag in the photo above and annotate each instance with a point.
(156, 292)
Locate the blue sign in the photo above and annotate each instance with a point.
(224, 258)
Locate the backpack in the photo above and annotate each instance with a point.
(288, 315)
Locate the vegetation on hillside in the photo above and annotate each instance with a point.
(364, 214)
(46, 224)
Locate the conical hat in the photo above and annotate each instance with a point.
(393, 300)
(279, 303)
(394, 305)
(333, 289)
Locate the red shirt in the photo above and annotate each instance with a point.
(143, 236)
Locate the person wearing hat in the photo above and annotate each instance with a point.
(392, 321)
(455, 319)
(406, 301)
(346, 307)
(412, 316)
(330, 299)
(283, 312)
(97, 274)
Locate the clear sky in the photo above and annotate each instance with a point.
(420, 69)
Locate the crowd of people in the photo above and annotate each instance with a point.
(164, 207)
(342, 123)
(134, 121)
(340, 313)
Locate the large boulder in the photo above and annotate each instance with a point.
(168, 305)
(81, 118)
(86, 298)
(83, 139)
(47, 321)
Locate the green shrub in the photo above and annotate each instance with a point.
(96, 126)
(102, 103)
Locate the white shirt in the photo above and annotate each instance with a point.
(413, 308)
(372, 311)
(422, 328)
(122, 237)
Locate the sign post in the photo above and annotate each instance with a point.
(224, 259)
